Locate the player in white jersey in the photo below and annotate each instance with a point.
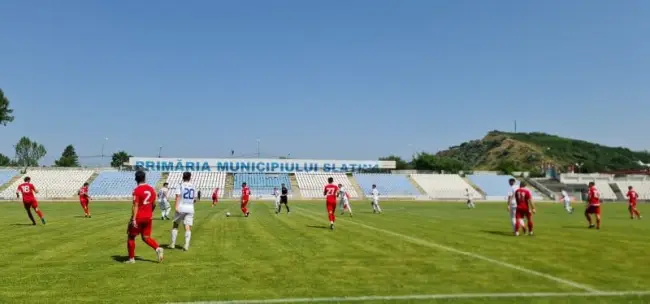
(470, 201)
(512, 206)
(567, 202)
(375, 200)
(344, 200)
(163, 202)
(185, 199)
(276, 195)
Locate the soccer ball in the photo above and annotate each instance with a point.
(227, 214)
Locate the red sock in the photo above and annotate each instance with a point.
(40, 214)
(517, 224)
(244, 210)
(151, 242)
(130, 245)
(530, 226)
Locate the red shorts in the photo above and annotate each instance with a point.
(30, 204)
(144, 228)
(244, 202)
(84, 203)
(331, 207)
(523, 213)
(631, 205)
(593, 209)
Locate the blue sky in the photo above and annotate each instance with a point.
(353, 79)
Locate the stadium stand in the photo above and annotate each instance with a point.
(6, 175)
(203, 181)
(602, 182)
(641, 184)
(118, 184)
(52, 184)
(496, 186)
(261, 184)
(312, 184)
(445, 186)
(389, 185)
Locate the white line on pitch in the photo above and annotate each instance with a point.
(431, 297)
(469, 254)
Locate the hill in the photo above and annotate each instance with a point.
(529, 151)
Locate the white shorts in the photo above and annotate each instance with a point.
(187, 218)
(164, 204)
(513, 212)
(375, 202)
(344, 202)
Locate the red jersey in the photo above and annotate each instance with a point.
(594, 196)
(330, 193)
(245, 193)
(632, 196)
(144, 196)
(27, 191)
(522, 196)
(83, 194)
(215, 194)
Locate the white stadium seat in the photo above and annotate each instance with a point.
(601, 181)
(52, 184)
(445, 186)
(312, 184)
(641, 184)
(203, 181)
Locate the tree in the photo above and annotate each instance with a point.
(29, 152)
(119, 158)
(400, 164)
(5, 111)
(5, 161)
(68, 158)
(426, 161)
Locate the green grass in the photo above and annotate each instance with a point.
(74, 259)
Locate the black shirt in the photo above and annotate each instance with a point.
(285, 191)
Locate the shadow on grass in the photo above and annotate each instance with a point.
(21, 224)
(575, 227)
(317, 227)
(495, 232)
(123, 258)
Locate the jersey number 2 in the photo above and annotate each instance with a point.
(146, 199)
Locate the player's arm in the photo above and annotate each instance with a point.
(34, 189)
(134, 211)
(178, 201)
(531, 204)
(509, 198)
(18, 192)
(325, 191)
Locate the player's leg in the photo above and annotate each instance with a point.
(131, 233)
(348, 206)
(286, 205)
(588, 216)
(630, 211)
(29, 212)
(88, 207)
(517, 221)
(529, 220)
(145, 229)
(597, 212)
(331, 209)
(512, 213)
(244, 209)
(188, 221)
(636, 212)
(378, 207)
(178, 217)
(38, 211)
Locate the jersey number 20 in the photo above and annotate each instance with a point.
(188, 193)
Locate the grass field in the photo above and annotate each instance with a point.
(440, 250)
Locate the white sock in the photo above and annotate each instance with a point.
(378, 208)
(349, 208)
(521, 223)
(188, 236)
(174, 235)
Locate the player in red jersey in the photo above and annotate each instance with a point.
(525, 208)
(84, 199)
(215, 196)
(144, 201)
(28, 190)
(331, 192)
(593, 198)
(632, 196)
(245, 196)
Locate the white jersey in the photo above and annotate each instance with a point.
(343, 194)
(276, 193)
(162, 194)
(468, 195)
(375, 194)
(187, 193)
(511, 194)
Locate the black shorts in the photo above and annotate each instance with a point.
(283, 200)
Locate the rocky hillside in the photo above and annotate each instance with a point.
(529, 151)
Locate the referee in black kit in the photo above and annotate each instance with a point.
(284, 199)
